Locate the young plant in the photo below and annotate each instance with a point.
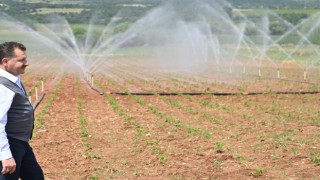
(259, 172)
(315, 157)
(219, 145)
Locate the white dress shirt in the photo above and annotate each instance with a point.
(6, 97)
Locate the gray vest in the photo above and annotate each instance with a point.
(21, 113)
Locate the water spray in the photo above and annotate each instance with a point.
(211, 36)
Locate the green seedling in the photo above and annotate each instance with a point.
(219, 145)
(259, 172)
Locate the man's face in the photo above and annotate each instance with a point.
(16, 65)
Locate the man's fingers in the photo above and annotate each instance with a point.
(8, 169)
(9, 166)
(5, 170)
(13, 169)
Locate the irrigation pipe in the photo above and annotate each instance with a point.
(91, 85)
(99, 91)
(35, 104)
(214, 93)
(38, 98)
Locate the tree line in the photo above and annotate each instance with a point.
(106, 9)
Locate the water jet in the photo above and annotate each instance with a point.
(212, 39)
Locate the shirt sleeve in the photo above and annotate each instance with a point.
(6, 97)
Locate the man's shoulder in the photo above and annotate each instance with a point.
(6, 86)
(8, 76)
(5, 93)
(4, 80)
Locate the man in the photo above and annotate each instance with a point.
(16, 117)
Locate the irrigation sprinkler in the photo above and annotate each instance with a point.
(36, 90)
(304, 74)
(278, 73)
(90, 80)
(29, 96)
(38, 98)
(243, 69)
(42, 86)
(259, 72)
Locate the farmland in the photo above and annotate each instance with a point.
(81, 134)
(223, 95)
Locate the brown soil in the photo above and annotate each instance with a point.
(84, 135)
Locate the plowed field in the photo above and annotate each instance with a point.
(81, 134)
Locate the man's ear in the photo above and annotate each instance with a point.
(5, 61)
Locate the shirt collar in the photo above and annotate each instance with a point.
(9, 76)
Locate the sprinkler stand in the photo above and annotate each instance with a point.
(92, 80)
(36, 92)
(42, 86)
(29, 96)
